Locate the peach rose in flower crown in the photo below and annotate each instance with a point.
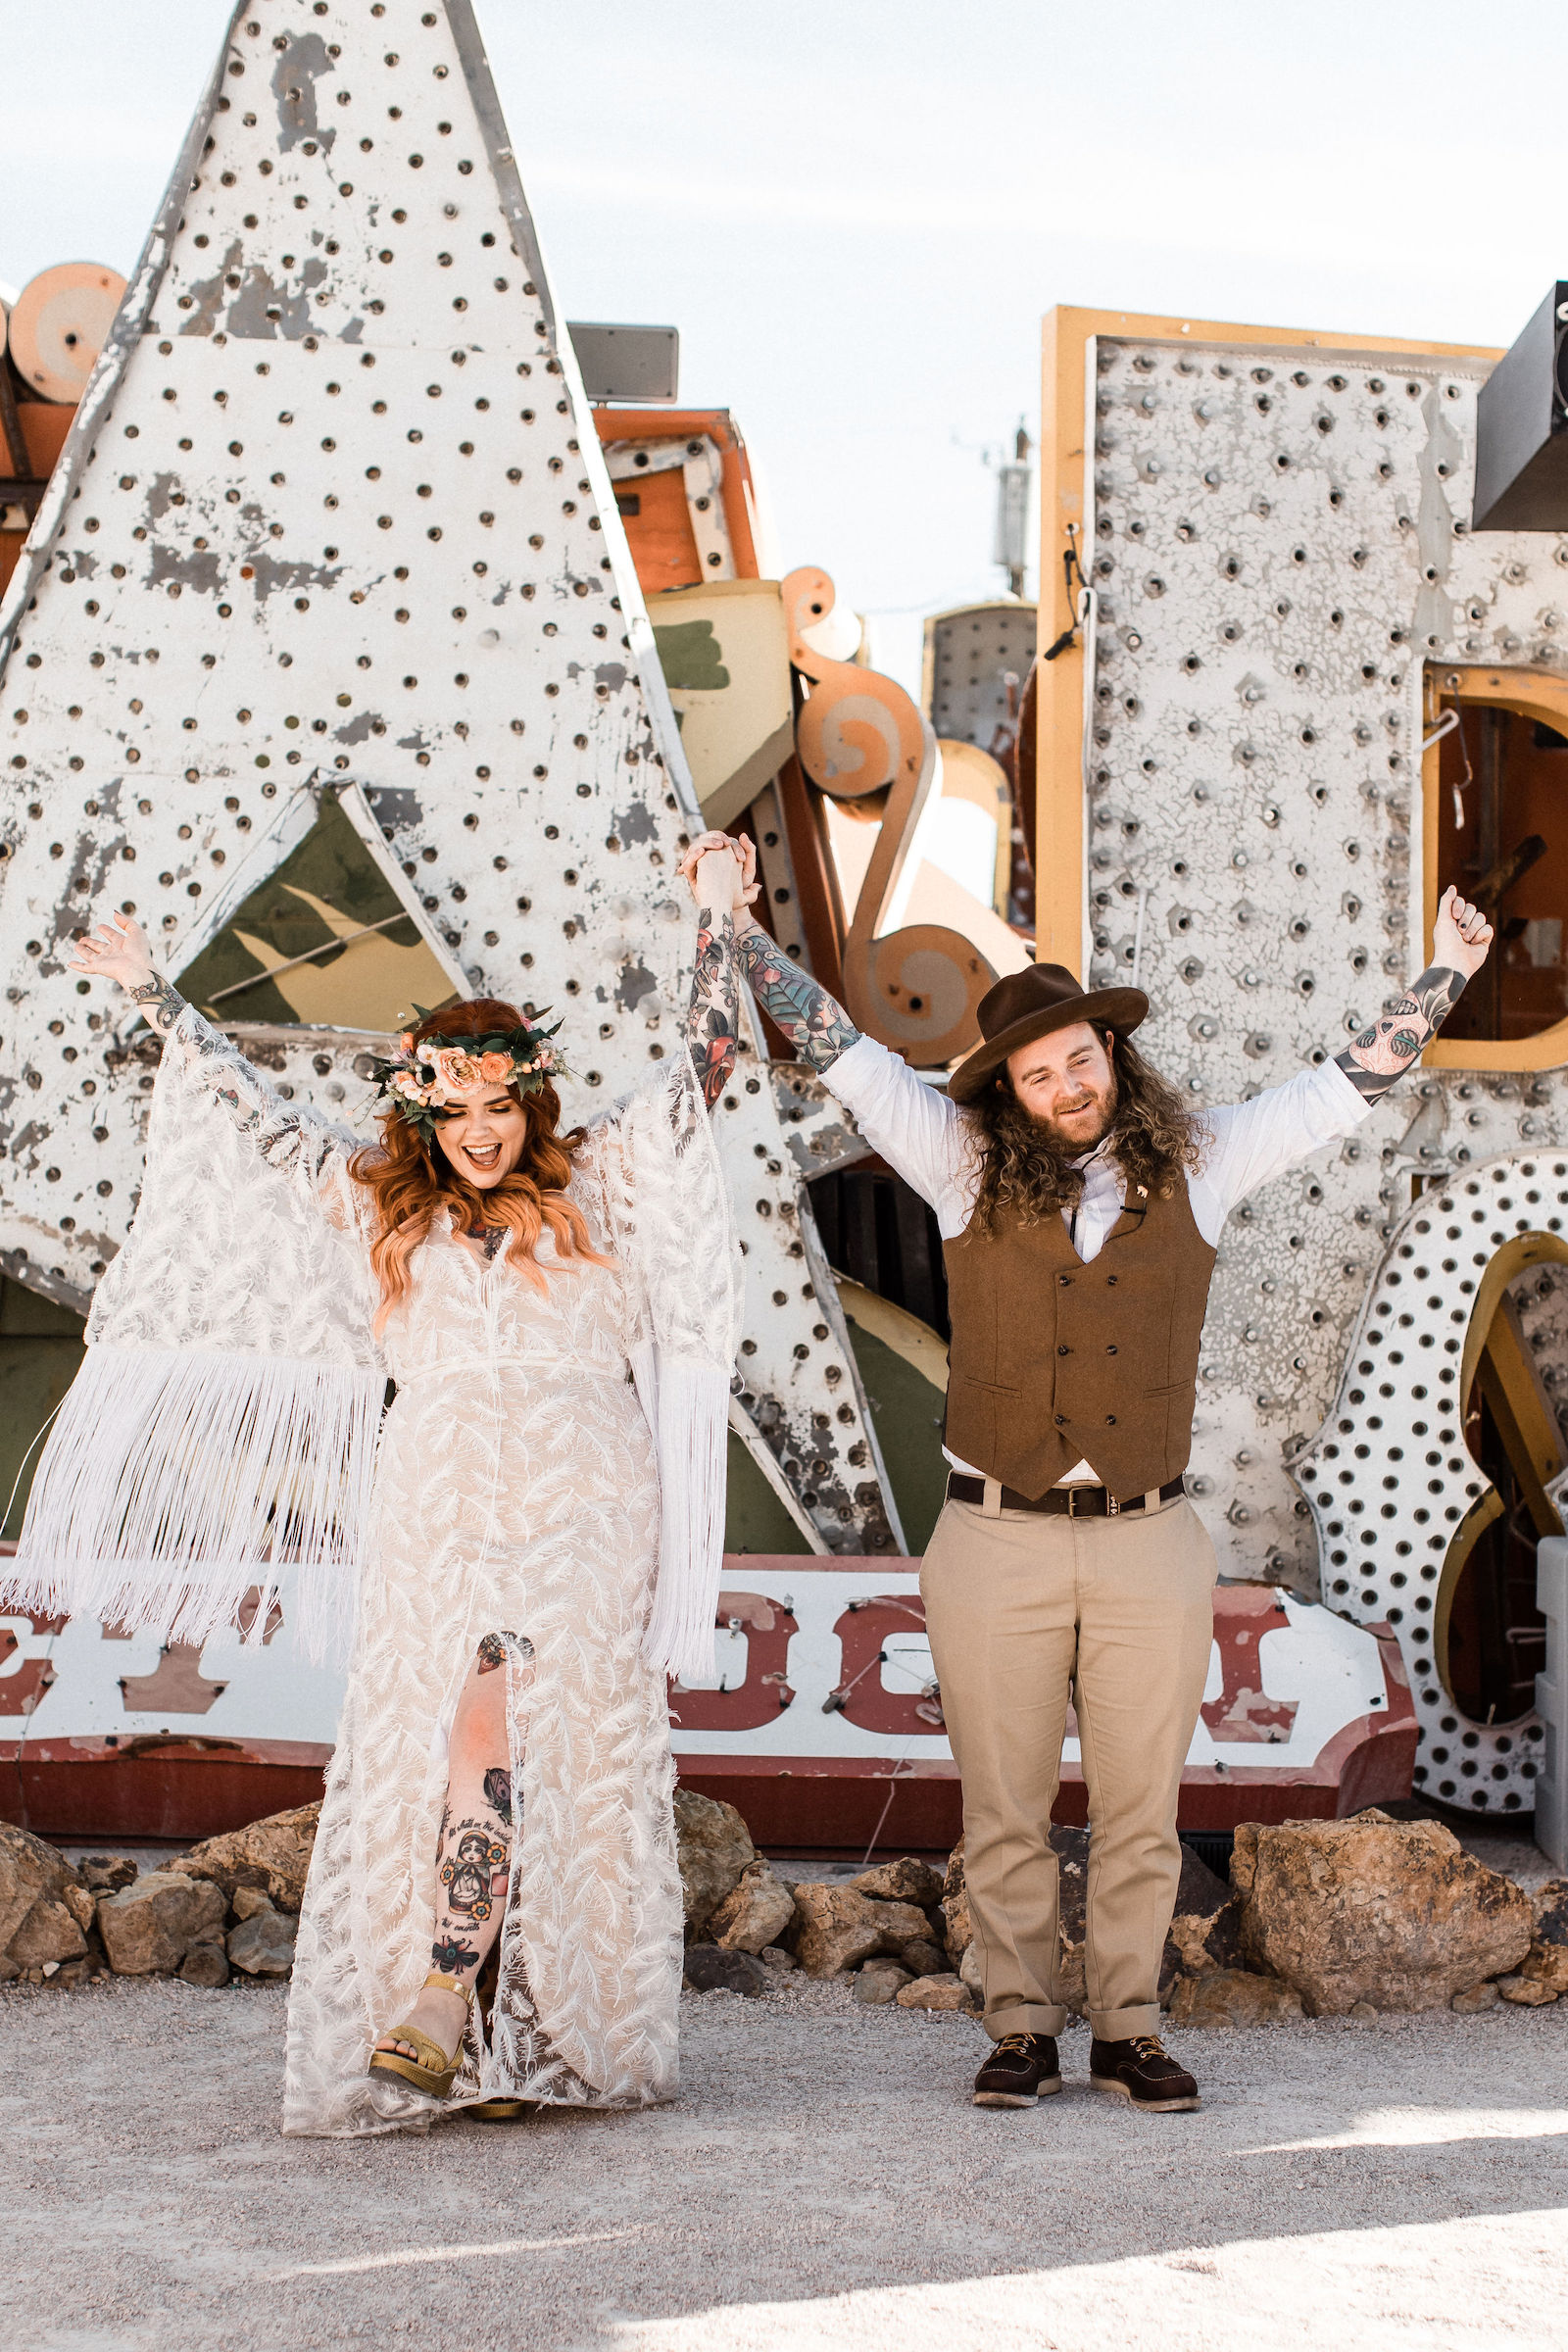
(456, 1071)
(495, 1069)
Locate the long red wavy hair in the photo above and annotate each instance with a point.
(412, 1181)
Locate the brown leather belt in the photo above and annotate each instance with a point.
(1070, 1502)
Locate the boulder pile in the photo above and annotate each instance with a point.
(229, 1907)
(1320, 1919)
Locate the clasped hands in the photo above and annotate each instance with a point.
(721, 872)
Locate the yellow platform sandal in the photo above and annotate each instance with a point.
(433, 2071)
(494, 2111)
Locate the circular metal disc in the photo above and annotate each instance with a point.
(59, 324)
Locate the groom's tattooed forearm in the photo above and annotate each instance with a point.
(162, 1003)
(816, 1026)
(712, 1018)
(1385, 1050)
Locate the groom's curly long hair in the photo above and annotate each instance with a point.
(410, 1181)
(1026, 1169)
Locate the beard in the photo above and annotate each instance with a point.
(1085, 1134)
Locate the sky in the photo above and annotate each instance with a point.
(857, 214)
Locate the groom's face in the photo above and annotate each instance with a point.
(1065, 1081)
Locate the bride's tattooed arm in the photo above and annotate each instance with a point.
(815, 1024)
(713, 1015)
(1385, 1050)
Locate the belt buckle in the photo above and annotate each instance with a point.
(1073, 1492)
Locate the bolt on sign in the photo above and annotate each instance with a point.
(327, 658)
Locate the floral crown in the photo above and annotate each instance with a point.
(428, 1074)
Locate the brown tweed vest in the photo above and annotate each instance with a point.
(1052, 1361)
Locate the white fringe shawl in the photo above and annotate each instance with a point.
(174, 1482)
(667, 1219)
(223, 1426)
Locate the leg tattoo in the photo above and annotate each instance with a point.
(498, 1794)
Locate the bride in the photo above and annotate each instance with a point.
(536, 1528)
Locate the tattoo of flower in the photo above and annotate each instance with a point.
(1385, 1050)
(815, 1024)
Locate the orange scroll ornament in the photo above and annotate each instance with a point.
(859, 735)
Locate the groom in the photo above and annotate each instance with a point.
(1080, 1199)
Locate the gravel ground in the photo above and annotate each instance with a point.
(823, 2183)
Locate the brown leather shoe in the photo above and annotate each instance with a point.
(1140, 2070)
(1021, 2069)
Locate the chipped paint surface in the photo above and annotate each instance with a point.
(333, 517)
(1279, 545)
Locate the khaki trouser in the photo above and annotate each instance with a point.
(1025, 1610)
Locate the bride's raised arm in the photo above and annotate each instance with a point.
(289, 1135)
(720, 873)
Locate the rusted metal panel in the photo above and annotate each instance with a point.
(333, 515)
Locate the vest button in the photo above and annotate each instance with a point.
(1061, 1420)
(1111, 1282)
(1109, 1419)
(1065, 1280)
(1063, 1351)
(1110, 1351)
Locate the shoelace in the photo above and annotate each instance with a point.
(1013, 2041)
(1150, 2045)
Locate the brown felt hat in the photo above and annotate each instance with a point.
(1031, 1004)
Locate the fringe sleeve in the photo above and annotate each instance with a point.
(223, 1424)
(668, 1213)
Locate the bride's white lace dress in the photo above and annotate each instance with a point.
(514, 1492)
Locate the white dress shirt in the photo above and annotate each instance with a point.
(933, 1147)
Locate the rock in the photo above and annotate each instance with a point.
(1528, 1991)
(248, 1900)
(923, 1958)
(1391, 1912)
(206, 1965)
(715, 1847)
(44, 1907)
(105, 1873)
(955, 1907)
(1229, 1996)
(709, 1968)
(1363, 2010)
(970, 1972)
(1546, 1961)
(836, 1928)
(263, 1945)
(904, 1882)
(935, 1992)
(773, 1955)
(1477, 1997)
(878, 1982)
(1073, 1881)
(273, 1855)
(755, 1913)
(149, 1926)
(1206, 1932)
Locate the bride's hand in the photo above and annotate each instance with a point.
(117, 951)
(710, 885)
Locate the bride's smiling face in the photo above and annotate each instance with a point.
(485, 1139)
